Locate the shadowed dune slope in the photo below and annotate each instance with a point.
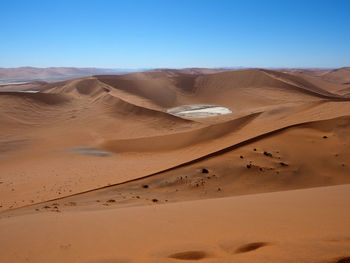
(30, 98)
(230, 89)
(178, 140)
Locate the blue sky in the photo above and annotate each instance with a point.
(175, 33)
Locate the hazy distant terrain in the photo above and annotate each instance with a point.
(26, 74)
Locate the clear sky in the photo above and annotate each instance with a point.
(175, 33)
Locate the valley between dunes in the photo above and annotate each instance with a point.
(97, 170)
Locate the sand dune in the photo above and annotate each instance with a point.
(81, 149)
(338, 75)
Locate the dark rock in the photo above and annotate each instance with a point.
(205, 171)
(267, 154)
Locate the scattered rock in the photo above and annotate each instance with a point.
(145, 186)
(249, 166)
(325, 137)
(154, 200)
(205, 171)
(219, 189)
(111, 201)
(254, 149)
(267, 154)
(283, 164)
(241, 157)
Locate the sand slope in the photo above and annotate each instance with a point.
(292, 226)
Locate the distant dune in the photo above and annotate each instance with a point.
(341, 75)
(105, 167)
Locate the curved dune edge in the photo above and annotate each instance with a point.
(80, 196)
(303, 85)
(94, 115)
(149, 165)
(178, 140)
(242, 134)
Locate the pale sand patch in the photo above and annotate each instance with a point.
(199, 111)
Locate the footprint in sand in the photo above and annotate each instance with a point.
(343, 260)
(189, 255)
(250, 247)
